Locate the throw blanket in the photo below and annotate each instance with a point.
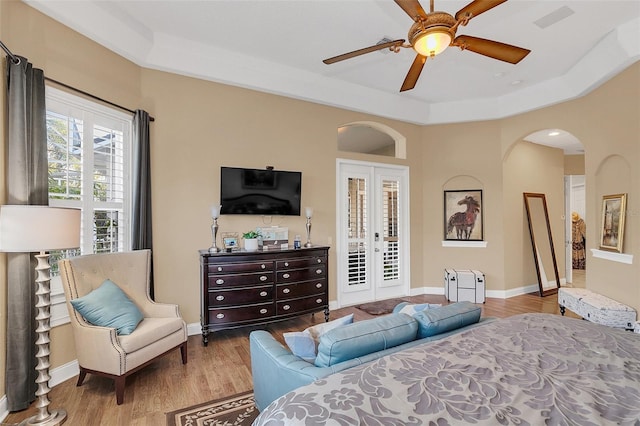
(523, 370)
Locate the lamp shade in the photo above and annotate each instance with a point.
(433, 41)
(25, 229)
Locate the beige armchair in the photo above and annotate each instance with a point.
(100, 350)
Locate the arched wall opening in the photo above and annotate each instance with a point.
(370, 137)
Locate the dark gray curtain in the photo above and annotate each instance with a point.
(26, 184)
(141, 214)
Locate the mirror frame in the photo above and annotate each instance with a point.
(527, 196)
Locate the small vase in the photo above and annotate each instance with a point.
(251, 244)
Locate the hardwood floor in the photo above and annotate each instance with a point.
(221, 369)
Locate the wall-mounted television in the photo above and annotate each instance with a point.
(260, 191)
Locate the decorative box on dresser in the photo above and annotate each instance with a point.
(241, 288)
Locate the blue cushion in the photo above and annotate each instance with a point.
(301, 344)
(365, 337)
(412, 309)
(305, 343)
(446, 318)
(109, 306)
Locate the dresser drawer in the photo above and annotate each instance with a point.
(300, 263)
(298, 305)
(294, 290)
(240, 296)
(232, 268)
(219, 281)
(293, 275)
(240, 313)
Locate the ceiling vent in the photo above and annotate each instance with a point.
(554, 17)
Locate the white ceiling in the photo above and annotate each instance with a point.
(277, 46)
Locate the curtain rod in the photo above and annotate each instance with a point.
(93, 96)
(13, 57)
(16, 60)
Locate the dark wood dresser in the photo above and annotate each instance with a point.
(242, 288)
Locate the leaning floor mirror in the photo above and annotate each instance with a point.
(544, 255)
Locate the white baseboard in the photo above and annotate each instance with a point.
(497, 294)
(58, 375)
(3, 408)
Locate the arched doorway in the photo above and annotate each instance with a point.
(575, 195)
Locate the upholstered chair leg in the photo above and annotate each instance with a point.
(183, 352)
(120, 389)
(81, 376)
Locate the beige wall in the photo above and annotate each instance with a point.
(574, 164)
(202, 125)
(461, 156)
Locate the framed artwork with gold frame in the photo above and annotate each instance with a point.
(613, 215)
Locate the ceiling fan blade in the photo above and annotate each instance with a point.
(363, 51)
(492, 49)
(477, 7)
(414, 73)
(412, 8)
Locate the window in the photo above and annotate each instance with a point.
(89, 151)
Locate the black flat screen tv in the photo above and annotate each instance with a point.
(260, 192)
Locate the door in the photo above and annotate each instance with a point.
(372, 232)
(574, 187)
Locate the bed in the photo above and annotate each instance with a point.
(525, 369)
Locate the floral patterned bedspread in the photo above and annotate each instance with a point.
(528, 369)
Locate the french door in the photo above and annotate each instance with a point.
(372, 232)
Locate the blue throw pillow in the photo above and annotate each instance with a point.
(109, 306)
(301, 344)
(412, 309)
(305, 343)
(447, 318)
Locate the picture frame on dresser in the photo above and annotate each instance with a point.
(612, 225)
(230, 240)
(463, 218)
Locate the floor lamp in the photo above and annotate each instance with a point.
(27, 229)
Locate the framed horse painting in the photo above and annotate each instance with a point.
(463, 215)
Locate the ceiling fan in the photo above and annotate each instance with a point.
(431, 33)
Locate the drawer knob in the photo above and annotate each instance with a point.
(319, 285)
(219, 281)
(286, 307)
(263, 311)
(220, 316)
(286, 291)
(318, 300)
(263, 293)
(263, 266)
(219, 268)
(220, 297)
(318, 271)
(319, 260)
(285, 275)
(263, 278)
(286, 263)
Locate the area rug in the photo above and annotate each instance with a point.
(236, 410)
(381, 307)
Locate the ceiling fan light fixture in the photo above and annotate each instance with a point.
(432, 41)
